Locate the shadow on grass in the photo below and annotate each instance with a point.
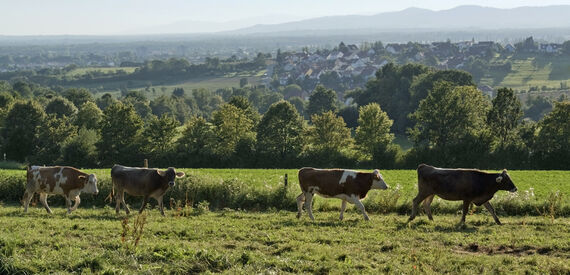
(442, 226)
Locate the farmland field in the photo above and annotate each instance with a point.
(238, 221)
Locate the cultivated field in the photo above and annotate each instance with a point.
(242, 221)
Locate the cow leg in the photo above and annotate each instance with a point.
(427, 203)
(465, 210)
(300, 200)
(309, 204)
(68, 204)
(43, 200)
(342, 208)
(27, 198)
(160, 206)
(415, 204)
(145, 200)
(492, 210)
(76, 204)
(358, 203)
(124, 203)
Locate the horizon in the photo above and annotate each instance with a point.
(132, 17)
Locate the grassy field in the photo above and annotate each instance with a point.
(82, 71)
(95, 241)
(529, 71)
(222, 229)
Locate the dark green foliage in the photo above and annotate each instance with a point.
(553, 140)
(120, 130)
(504, 115)
(21, 129)
(450, 123)
(322, 100)
(78, 96)
(299, 104)
(157, 141)
(53, 134)
(105, 101)
(80, 151)
(279, 134)
(89, 116)
(61, 107)
(195, 147)
(391, 89)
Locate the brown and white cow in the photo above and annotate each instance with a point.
(142, 182)
(60, 180)
(347, 185)
(468, 185)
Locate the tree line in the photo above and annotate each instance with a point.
(448, 120)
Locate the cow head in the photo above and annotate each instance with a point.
(505, 182)
(169, 175)
(90, 184)
(378, 181)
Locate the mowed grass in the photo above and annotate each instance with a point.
(82, 71)
(91, 241)
(531, 71)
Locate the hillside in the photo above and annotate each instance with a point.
(462, 17)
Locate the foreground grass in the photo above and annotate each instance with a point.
(90, 241)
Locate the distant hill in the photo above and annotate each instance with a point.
(462, 17)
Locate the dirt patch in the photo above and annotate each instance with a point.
(474, 248)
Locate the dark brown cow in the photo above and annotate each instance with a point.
(61, 180)
(468, 185)
(142, 182)
(347, 185)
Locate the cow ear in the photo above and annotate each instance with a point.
(161, 173)
(180, 174)
(504, 171)
(499, 179)
(377, 174)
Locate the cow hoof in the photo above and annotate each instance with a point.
(298, 215)
(366, 218)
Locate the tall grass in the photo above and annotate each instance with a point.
(262, 190)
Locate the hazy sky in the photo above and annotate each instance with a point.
(32, 17)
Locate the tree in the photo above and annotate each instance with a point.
(158, 138)
(244, 104)
(105, 101)
(242, 82)
(328, 134)
(232, 125)
(178, 92)
(449, 123)
(279, 134)
(391, 89)
(373, 133)
(21, 129)
(553, 140)
(80, 150)
(61, 107)
(322, 100)
(53, 135)
(89, 116)
(505, 114)
(566, 47)
(196, 145)
(78, 96)
(299, 104)
(120, 129)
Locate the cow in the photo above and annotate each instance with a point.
(468, 185)
(60, 180)
(347, 185)
(142, 182)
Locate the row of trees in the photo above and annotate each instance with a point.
(449, 121)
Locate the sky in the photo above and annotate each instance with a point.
(119, 17)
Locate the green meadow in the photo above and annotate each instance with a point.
(243, 221)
